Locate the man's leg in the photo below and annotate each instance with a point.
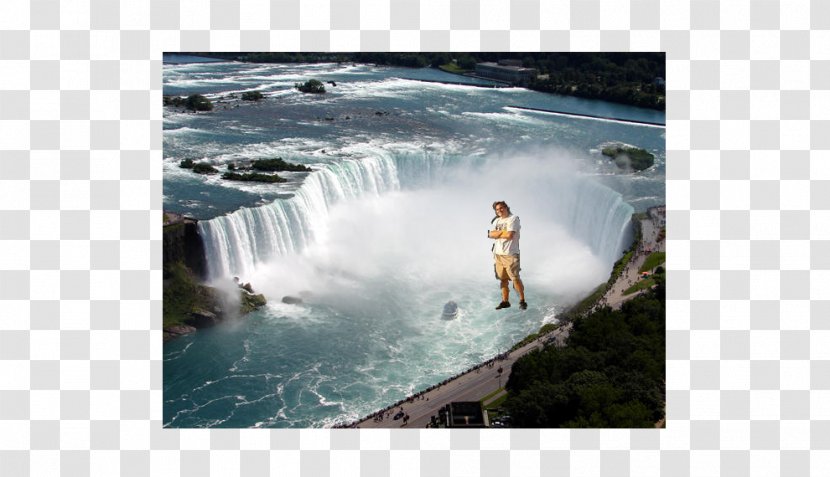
(520, 288)
(503, 276)
(515, 267)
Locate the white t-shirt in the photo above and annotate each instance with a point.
(507, 246)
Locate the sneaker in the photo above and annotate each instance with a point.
(504, 304)
(523, 305)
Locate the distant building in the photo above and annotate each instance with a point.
(465, 414)
(510, 63)
(510, 71)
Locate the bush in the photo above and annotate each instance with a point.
(204, 168)
(251, 96)
(311, 86)
(197, 102)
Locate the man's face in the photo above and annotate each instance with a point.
(501, 211)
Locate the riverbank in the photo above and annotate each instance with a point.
(487, 380)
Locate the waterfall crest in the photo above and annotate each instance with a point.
(596, 215)
(237, 242)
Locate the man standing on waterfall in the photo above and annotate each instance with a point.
(506, 230)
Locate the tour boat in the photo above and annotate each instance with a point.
(450, 310)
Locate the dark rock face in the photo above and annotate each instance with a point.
(172, 332)
(183, 243)
(203, 319)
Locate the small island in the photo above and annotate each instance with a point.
(277, 165)
(629, 157)
(311, 86)
(198, 167)
(194, 102)
(252, 96)
(253, 177)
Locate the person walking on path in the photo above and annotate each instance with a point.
(506, 232)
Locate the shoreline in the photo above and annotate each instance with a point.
(488, 378)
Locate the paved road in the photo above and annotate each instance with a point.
(474, 385)
(471, 386)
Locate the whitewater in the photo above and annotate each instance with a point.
(389, 226)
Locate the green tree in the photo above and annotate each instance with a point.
(628, 415)
(311, 86)
(542, 404)
(610, 374)
(466, 62)
(197, 102)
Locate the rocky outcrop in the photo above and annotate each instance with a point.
(174, 331)
(182, 243)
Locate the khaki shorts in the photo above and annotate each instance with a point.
(507, 267)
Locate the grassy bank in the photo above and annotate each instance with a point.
(654, 260)
(184, 295)
(188, 304)
(453, 68)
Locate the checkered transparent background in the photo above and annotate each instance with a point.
(748, 192)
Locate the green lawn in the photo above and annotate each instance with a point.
(485, 398)
(453, 68)
(640, 285)
(497, 403)
(652, 261)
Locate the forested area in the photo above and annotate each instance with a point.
(611, 373)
